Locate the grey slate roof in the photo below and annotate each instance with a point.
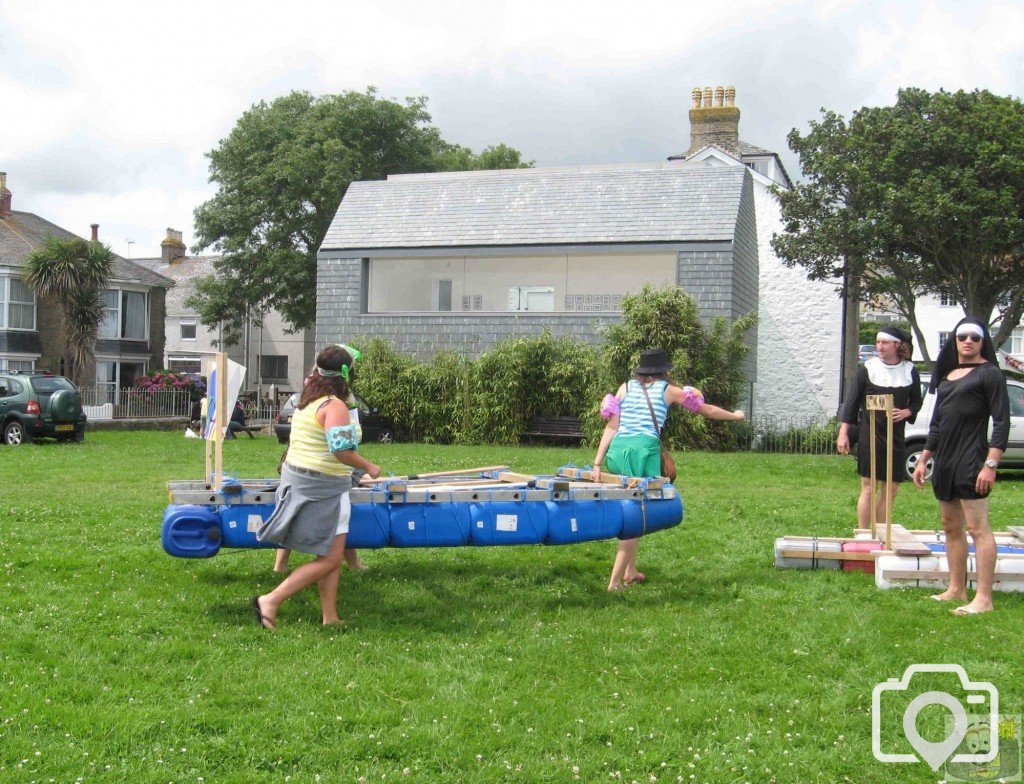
(659, 202)
(183, 271)
(23, 232)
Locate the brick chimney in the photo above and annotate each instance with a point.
(95, 231)
(714, 119)
(172, 247)
(5, 196)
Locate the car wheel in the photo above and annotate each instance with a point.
(386, 437)
(910, 461)
(15, 434)
(79, 436)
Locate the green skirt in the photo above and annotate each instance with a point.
(634, 456)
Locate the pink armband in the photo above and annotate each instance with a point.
(693, 399)
(610, 406)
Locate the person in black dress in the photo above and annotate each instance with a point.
(970, 391)
(890, 373)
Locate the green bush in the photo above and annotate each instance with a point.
(492, 399)
(707, 357)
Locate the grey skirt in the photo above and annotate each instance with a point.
(306, 515)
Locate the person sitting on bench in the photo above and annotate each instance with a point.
(237, 420)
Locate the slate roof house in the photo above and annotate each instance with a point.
(460, 261)
(131, 336)
(281, 359)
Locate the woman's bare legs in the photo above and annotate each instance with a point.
(353, 561)
(281, 556)
(303, 577)
(328, 587)
(624, 569)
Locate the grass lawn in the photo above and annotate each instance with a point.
(119, 663)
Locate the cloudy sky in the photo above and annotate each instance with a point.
(107, 108)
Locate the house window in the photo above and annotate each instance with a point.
(943, 338)
(1017, 341)
(112, 375)
(125, 314)
(531, 299)
(17, 304)
(563, 283)
(947, 300)
(185, 364)
(273, 367)
(188, 329)
(21, 365)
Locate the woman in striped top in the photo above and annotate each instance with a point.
(631, 445)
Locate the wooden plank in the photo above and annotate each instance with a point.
(829, 555)
(558, 485)
(459, 472)
(653, 483)
(512, 476)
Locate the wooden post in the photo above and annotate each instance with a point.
(875, 403)
(223, 417)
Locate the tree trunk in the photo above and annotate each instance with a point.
(851, 334)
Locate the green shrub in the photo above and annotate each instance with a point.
(492, 399)
(707, 357)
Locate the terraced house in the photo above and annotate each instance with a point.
(131, 337)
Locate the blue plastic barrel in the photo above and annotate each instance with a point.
(240, 522)
(370, 527)
(190, 531)
(433, 524)
(507, 522)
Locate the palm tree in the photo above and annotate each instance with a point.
(73, 273)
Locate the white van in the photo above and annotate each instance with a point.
(917, 433)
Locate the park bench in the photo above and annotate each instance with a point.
(565, 428)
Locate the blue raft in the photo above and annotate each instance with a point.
(482, 510)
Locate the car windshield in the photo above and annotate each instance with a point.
(47, 385)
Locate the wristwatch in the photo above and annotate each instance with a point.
(992, 464)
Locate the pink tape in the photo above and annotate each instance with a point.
(693, 399)
(610, 406)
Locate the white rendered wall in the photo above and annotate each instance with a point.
(799, 330)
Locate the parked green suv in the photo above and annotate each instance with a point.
(37, 405)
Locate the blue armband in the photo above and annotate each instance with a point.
(341, 438)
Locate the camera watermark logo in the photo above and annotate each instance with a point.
(982, 698)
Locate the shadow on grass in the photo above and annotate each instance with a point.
(444, 596)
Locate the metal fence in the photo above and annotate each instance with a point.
(104, 402)
(802, 435)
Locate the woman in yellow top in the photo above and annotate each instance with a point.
(312, 499)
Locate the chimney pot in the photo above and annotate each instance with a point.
(714, 120)
(172, 247)
(5, 196)
(95, 232)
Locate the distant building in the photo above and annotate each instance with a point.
(460, 261)
(273, 357)
(131, 336)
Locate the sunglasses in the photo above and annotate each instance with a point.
(971, 336)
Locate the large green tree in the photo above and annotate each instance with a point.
(282, 172)
(925, 196)
(73, 273)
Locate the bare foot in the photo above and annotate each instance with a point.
(335, 621)
(283, 570)
(949, 596)
(974, 608)
(358, 566)
(613, 587)
(265, 618)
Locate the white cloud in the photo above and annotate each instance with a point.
(109, 108)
